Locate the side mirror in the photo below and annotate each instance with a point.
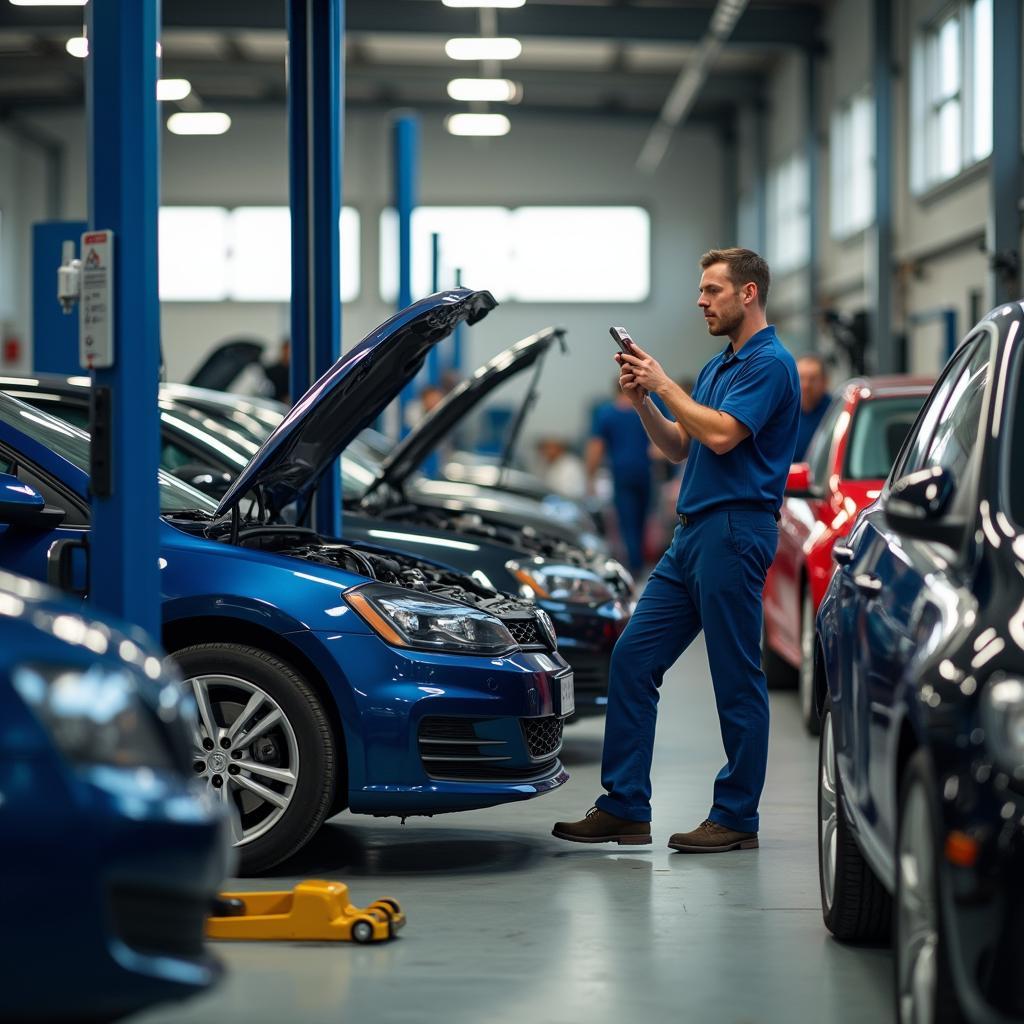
(798, 483)
(917, 504)
(22, 505)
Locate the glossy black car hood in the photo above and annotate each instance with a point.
(410, 453)
(349, 396)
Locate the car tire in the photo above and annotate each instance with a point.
(362, 932)
(925, 993)
(779, 674)
(854, 904)
(805, 676)
(280, 777)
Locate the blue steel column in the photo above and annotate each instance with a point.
(315, 47)
(406, 152)
(811, 115)
(1004, 167)
(880, 262)
(121, 75)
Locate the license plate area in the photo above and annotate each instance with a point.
(568, 695)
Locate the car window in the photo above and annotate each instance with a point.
(72, 445)
(1014, 440)
(820, 448)
(958, 432)
(916, 452)
(880, 426)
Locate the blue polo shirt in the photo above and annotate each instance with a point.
(809, 424)
(760, 386)
(626, 444)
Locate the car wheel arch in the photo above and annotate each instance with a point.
(906, 747)
(182, 633)
(821, 688)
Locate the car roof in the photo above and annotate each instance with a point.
(891, 384)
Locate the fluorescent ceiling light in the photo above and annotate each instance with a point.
(205, 122)
(478, 124)
(483, 48)
(78, 47)
(484, 3)
(48, 3)
(496, 90)
(173, 88)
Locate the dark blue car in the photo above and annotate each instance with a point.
(111, 851)
(327, 675)
(919, 676)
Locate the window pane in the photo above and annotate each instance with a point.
(193, 253)
(948, 53)
(581, 254)
(981, 79)
(260, 266)
(350, 265)
(474, 239)
(948, 139)
(880, 427)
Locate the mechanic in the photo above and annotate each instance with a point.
(814, 399)
(739, 432)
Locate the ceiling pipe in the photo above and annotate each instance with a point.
(688, 85)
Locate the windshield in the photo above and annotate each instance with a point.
(1015, 480)
(880, 427)
(72, 445)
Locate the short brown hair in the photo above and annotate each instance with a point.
(744, 266)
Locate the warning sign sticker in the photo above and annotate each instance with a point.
(96, 324)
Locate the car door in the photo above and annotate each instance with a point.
(26, 551)
(899, 578)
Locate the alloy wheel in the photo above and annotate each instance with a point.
(806, 683)
(245, 749)
(828, 810)
(917, 928)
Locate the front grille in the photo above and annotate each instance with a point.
(463, 750)
(543, 736)
(589, 673)
(524, 632)
(165, 923)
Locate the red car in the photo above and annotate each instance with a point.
(848, 459)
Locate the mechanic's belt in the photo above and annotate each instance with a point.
(694, 518)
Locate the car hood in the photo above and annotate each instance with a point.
(226, 362)
(411, 452)
(349, 396)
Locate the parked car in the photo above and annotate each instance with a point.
(207, 441)
(112, 854)
(919, 678)
(848, 460)
(327, 674)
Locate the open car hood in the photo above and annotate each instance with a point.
(349, 396)
(220, 368)
(410, 453)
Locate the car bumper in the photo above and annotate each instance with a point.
(586, 639)
(429, 733)
(984, 900)
(114, 889)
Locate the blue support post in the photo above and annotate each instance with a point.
(406, 153)
(315, 108)
(434, 355)
(1004, 166)
(121, 109)
(812, 114)
(880, 260)
(457, 334)
(54, 333)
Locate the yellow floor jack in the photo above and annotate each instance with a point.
(314, 911)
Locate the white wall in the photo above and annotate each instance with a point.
(543, 160)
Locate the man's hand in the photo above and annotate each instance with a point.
(641, 370)
(629, 387)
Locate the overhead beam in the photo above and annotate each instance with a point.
(782, 26)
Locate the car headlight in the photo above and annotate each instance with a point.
(94, 716)
(406, 618)
(560, 582)
(1002, 710)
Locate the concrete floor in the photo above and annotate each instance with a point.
(507, 924)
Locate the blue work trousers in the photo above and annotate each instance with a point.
(711, 578)
(632, 503)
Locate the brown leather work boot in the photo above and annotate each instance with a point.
(710, 837)
(601, 827)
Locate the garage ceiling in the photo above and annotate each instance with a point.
(580, 56)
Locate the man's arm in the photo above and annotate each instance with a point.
(593, 457)
(670, 437)
(716, 430)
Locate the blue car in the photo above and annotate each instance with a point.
(919, 678)
(327, 674)
(112, 853)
